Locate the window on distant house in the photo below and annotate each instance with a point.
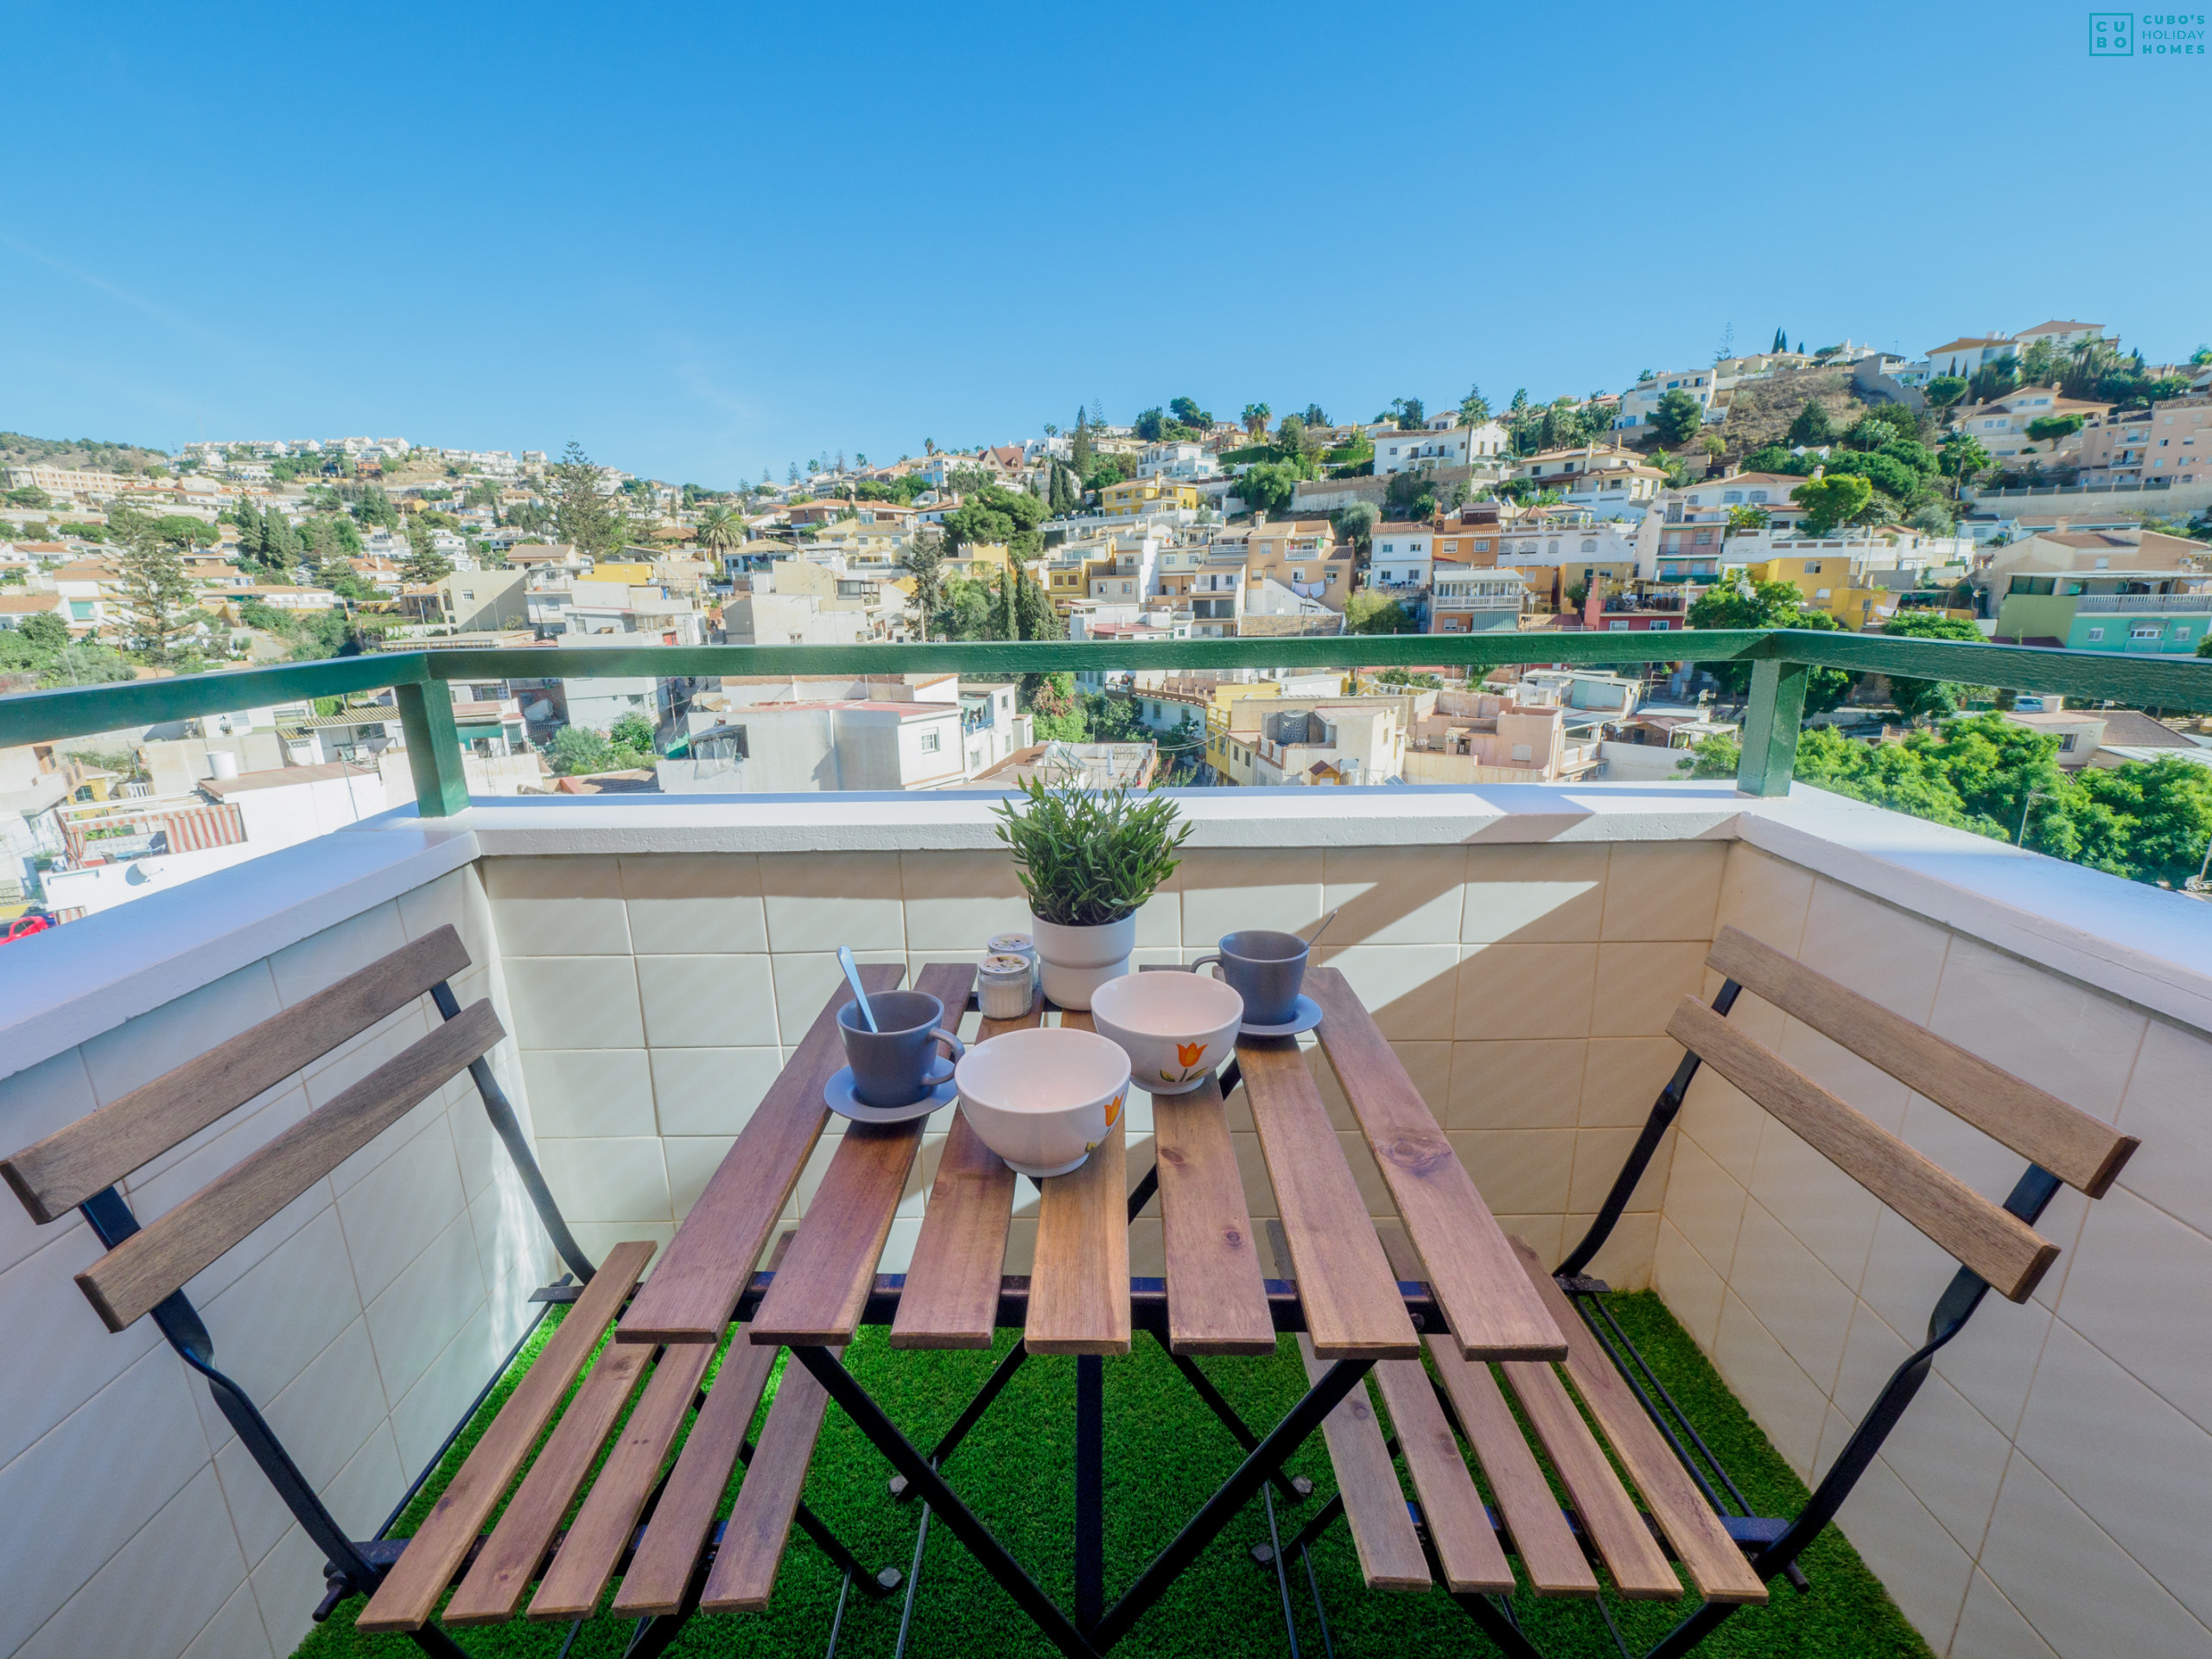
(930, 743)
(2096, 633)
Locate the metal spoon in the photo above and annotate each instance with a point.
(853, 978)
(1320, 931)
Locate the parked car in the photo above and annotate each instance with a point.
(31, 922)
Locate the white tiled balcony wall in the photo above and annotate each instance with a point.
(362, 1319)
(2050, 1490)
(1526, 988)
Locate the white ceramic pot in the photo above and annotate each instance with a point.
(1175, 1028)
(1042, 1096)
(1074, 961)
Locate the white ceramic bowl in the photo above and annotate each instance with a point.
(1175, 1028)
(1042, 1097)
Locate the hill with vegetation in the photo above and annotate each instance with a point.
(20, 450)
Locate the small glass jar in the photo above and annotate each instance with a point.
(1005, 987)
(1014, 945)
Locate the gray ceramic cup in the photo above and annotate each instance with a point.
(893, 1066)
(1267, 968)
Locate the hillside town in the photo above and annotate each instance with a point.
(2043, 487)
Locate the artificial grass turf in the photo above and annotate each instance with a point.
(1165, 1456)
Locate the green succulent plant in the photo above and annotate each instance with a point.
(1086, 857)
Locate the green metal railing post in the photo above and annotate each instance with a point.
(433, 748)
(1771, 725)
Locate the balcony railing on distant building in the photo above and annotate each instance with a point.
(2153, 603)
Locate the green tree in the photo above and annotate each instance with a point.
(1718, 756)
(1836, 498)
(373, 506)
(1812, 426)
(1056, 714)
(925, 565)
(1943, 391)
(1267, 486)
(993, 513)
(1676, 418)
(1885, 473)
(1962, 459)
(1186, 411)
(720, 531)
(1741, 521)
(2054, 426)
(1371, 613)
(1930, 700)
(1151, 423)
(160, 604)
(1255, 419)
(584, 513)
(1767, 605)
(579, 752)
(1474, 408)
(1355, 524)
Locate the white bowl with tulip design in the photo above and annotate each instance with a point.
(1043, 1097)
(1176, 1028)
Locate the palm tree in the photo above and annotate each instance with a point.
(720, 530)
(1963, 457)
(1255, 418)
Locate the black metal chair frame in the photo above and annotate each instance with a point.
(1774, 1544)
(357, 1567)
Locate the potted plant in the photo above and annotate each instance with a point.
(1087, 859)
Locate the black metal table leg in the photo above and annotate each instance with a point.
(1339, 1380)
(1090, 1489)
(856, 1403)
(1294, 1488)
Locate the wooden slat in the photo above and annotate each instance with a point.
(1997, 1244)
(2065, 1139)
(822, 1288)
(1345, 1283)
(411, 1589)
(753, 1543)
(1216, 1301)
(1079, 1283)
(603, 1528)
(1713, 1560)
(491, 1590)
(951, 1295)
(1631, 1553)
(146, 1266)
(1549, 1555)
(1458, 1525)
(100, 1149)
(674, 1538)
(1467, 1263)
(697, 1287)
(1374, 1505)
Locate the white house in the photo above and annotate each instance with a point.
(1182, 460)
(1449, 446)
(1400, 557)
(1641, 401)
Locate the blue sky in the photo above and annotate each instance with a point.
(705, 240)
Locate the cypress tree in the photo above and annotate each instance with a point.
(1009, 625)
(1781, 340)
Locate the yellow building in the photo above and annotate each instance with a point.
(1141, 495)
(977, 562)
(1835, 584)
(1069, 579)
(632, 576)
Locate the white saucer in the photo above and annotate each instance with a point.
(837, 1095)
(1307, 1017)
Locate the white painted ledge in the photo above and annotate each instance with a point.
(2151, 947)
(60, 988)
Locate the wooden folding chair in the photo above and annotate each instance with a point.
(681, 1559)
(1449, 1535)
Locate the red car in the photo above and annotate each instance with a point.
(31, 922)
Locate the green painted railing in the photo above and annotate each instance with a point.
(1781, 661)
